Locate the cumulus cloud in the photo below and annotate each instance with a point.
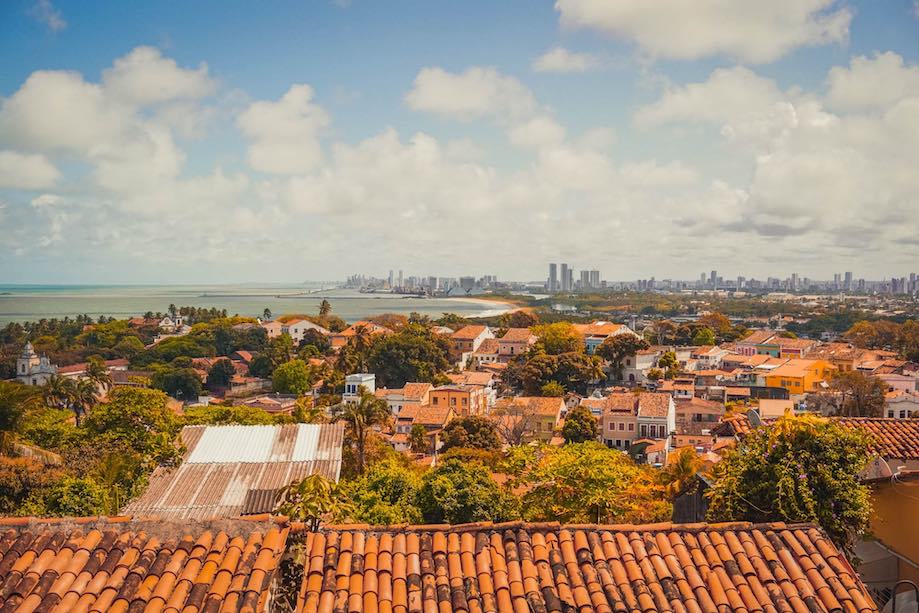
(45, 12)
(559, 59)
(284, 135)
(872, 83)
(477, 92)
(748, 30)
(145, 77)
(26, 171)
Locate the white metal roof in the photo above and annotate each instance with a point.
(248, 444)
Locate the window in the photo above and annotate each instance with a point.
(453, 402)
(902, 414)
(631, 427)
(644, 430)
(889, 413)
(627, 443)
(621, 426)
(435, 401)
(465, 401)
(612, 426)
(618, 443)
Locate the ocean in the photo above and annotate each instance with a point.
(20, 303)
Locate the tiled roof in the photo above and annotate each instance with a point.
(621, 404)
(541, 568)
(517, 335)
(469, 333)
(758, 337)
(653, 405)
(892, 438)
(532, 405)
(426, 414)
(599, 328)
(118, 565)
(488, 346)
(416, 391)
(471, 377)
(222, 463)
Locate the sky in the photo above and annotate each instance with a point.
(228, 141)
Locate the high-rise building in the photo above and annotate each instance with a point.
(553, 278)
(794, 282)
(566, 278)
(595, 278)
(740, 282)
(837, 281)
(467, 283)
(585, 279)
(400, 280)
(713, 279)
(847, 283)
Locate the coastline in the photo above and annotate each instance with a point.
(499, 306)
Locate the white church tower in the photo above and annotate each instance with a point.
(32, 369)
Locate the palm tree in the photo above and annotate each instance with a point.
(360, 418)
(266, 314)
(678, 475)
(58, 392)
(15, 401)
(83, 398)
(325, 307)
(97, 372)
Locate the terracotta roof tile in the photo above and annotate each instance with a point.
(892, 438)
(521, 568)
(517, 335)
(469, 333)
(105, 564)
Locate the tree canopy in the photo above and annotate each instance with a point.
(580, 426)
(475, 432)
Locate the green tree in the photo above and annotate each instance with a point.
(458, 492)
(216, 415)
(280, 350)
(266, 314)
(74, 497)
(414, 354)
(475, 432)
(23, 480)
(617, 348)
(418, 439)
(261, 367)
(385, 494)
(294, 377)
(668, 363)
(519, 319)
(703, 336)
(220, 374)
(325, 308)
(141, 419)
(856, 394)
(585, 482)
(552, 389)
(801, 469)
(681, 473)
(559, 337)
(360, 419)
(580, 426)
(16, 400)
(309, 500)
(97, 372)
(181, 383)
(129, 347)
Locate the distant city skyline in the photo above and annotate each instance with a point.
(221, 141)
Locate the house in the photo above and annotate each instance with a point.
(635, 368)
(772, 408)
(273, 328)
(708, 356)
(223, 466)
(465, 400)
(297, 328)
(515, 342)
(596, 332)
(540, 415)
(483, 379)
(172, 325)
(433, 418)
(901, 405)
(681, 388)
(409, 394)
(656, 415)
(468, 338)
(487, 353)
(354, 383)
(800, 376)
(276, 404)
(618, 418)
(758, 342)
(340, 339)
(695, 415)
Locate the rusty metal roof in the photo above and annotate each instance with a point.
(223, 464)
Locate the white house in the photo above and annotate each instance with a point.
(353, 384)
(656, 415)
(298, 327)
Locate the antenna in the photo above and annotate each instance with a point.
(755, 419)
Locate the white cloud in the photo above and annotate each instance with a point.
(26, 171)
(475, 93)
(749, 30)
(559, 59)
(872, 83)
(45, 12)
(537, 133)
(145, 77)
(284, 135)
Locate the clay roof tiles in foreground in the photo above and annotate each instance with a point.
(543, 568)
(114, 564)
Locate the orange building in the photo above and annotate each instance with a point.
(800, 376)
(465, 400)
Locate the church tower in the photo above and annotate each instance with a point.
(27, 361)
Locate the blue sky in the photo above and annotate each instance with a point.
(155, 142)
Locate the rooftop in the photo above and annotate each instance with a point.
(469, 332)
(517, 335)
(892, 438)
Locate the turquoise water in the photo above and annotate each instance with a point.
(31, 302)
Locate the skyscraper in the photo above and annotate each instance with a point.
(553, 278)
(848, 282)
(713, 280)
(566, 286)
(585, 279)
(595, 278)
(794, 282)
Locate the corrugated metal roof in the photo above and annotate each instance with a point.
(222, 468)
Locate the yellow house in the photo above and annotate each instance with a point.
(800, 376)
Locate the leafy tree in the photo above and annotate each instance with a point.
(325, 308)
(266, 314)
(552, 389)
(261, 367)
(414, 353)
(856, 394)
(182, 383)
(83, 398)
(418, 439)
(50, 428)
(655, 374)
(458, 492)
(703, 336)
(97, 372)
(474, 431)
(167, 350)
(220, 374)
(585, 482)
(216, 415)
(519, 319)
(307, 412)
(556, 338)
(309, 500)
(668, 363)
(15, 401)
(294, 377)
(573, 371)
(280, 350)
(580, 426)
(360, 419)
(801, 469)
(385, 494)
(617, 348)
(21, 480)
(74, 497)
(140, 418)
(315, 338)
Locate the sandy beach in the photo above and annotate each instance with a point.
(496, 306)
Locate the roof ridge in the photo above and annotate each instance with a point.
(101, 520)
(555, 526)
